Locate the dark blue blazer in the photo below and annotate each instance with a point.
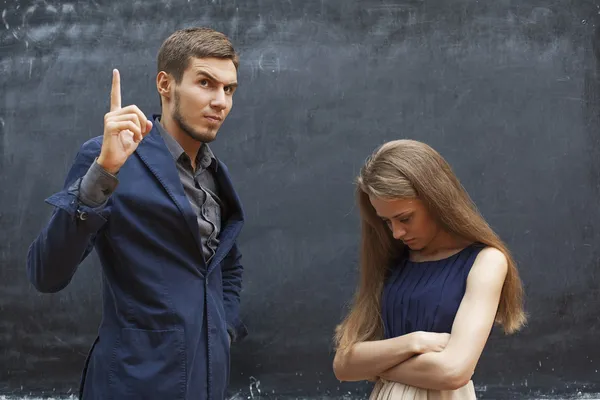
(166, 315)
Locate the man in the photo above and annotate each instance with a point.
(161, 211)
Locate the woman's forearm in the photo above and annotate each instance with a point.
(366, 360)
(429, 371)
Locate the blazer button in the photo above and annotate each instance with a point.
(82, 215)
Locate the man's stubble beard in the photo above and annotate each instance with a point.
(203, 137)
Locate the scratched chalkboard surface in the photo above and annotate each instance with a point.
(507, 91)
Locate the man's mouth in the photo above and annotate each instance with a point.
(213, 118)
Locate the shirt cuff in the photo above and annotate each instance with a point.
(96, 186)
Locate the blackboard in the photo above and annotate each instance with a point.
(508, 92)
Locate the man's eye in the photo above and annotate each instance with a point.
(204, 82)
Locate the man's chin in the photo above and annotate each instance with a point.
(207, 138)
(200, 133)
(204, 137)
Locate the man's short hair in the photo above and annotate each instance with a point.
(175, 53)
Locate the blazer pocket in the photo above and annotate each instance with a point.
(149, 365)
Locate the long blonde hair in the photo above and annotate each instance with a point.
(411, 169)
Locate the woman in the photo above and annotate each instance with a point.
(434, 278)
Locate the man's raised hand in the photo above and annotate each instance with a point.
(124, 129)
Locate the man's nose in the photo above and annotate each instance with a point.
(220, 100)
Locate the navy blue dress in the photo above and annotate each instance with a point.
(425, 296)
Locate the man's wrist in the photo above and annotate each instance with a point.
(97, 185)
(111, 169)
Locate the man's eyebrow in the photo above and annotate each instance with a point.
(211, 77)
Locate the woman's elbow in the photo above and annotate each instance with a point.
(344, 377)
(339, 369)
(342, 372)
(456, 377)
(456, 383)
(336, 369)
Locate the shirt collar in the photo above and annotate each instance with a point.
(205, 157)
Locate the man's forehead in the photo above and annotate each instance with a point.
(219, 68)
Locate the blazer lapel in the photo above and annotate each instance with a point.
(154, 153)
(232, 227)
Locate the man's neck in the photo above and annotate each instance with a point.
(188, 144)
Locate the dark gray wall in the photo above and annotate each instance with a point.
(507, 91)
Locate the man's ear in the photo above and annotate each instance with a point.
(163, 84)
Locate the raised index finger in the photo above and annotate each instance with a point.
(115, 92)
